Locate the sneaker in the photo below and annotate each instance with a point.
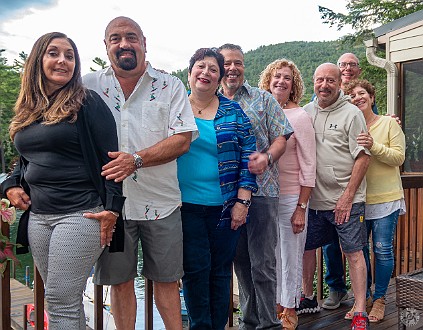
(360, 321)
(308, 306)
(334, 300)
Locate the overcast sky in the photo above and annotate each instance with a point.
(174, 28)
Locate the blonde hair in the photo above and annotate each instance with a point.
(33, 103)
(297, 84)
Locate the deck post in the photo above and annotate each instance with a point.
(38, 299)
(98, 307)
(148, 308)
(5, 304)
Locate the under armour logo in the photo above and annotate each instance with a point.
(333, 126)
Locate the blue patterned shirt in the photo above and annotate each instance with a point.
(235, 143)
(269, 122)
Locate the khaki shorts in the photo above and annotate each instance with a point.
(162, 252)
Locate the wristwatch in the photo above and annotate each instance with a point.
(269, 159)
(302, 205)
(137, 160)
(246, 202)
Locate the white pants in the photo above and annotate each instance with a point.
(289, 254)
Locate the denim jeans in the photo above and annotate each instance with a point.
(255, 266)
(382, 231)
(334, 276)
(208, 255)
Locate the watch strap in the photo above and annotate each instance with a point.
(302, 205)
(246, 202)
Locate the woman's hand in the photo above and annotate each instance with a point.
(365, 140)
(298, 221)
(239, 215)
(18, 198)
(107, 225)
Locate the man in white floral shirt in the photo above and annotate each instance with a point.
(155, 126)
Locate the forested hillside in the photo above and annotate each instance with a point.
(307, 56)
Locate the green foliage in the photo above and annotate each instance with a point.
(307, 56)
(9, 90)
(364, 14)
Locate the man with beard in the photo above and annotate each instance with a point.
(155, 125)
(255, 260)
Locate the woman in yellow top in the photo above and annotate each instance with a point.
(385, 197)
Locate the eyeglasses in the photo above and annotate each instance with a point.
(345, 64)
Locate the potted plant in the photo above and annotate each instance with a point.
(7, 214)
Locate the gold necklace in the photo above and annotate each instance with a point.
(195, 106)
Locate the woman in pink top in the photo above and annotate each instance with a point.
(297, 175)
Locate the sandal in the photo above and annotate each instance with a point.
(378, 311)
(350, 313)
(289, 321)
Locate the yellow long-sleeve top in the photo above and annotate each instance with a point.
(388, 154)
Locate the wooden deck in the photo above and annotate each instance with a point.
(325, 319)
(20, 295)
(334, 319)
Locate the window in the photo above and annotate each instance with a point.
(413, 115)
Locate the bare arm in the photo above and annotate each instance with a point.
(344, 204)
(161, 153)
(298, 217)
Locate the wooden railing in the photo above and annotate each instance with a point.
(408, 250)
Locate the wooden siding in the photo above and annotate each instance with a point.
(405, 45)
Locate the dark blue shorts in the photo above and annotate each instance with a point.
(322, 229)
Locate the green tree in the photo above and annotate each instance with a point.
(9, 90)
(364, 14)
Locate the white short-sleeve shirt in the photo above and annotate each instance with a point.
(157, 109)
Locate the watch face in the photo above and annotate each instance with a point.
(137, 161)
(246, 202)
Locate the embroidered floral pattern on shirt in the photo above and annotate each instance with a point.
(117, 98)
(147, 210)
(106, 92)
(153, 89)
(181, 122)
